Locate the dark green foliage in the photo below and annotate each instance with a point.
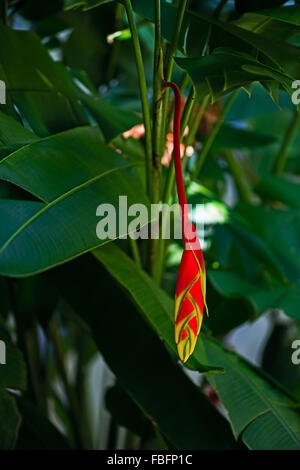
(86, 325)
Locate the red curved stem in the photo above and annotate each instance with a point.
(176, 136)
(176, 151)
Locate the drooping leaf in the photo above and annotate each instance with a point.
(259, 411)
(13, 133)
(138, 358)
(46, 94)
(225, 70)
(279, 189)
(84, 173)
(84, 4)
(289, 14)
(235, 138)
(126, 413)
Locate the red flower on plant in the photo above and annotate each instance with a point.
(190, 294)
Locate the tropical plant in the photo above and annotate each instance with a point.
(87, 325)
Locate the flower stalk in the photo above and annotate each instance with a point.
(191, 282)
(150, 174)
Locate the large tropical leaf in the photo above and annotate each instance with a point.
(261, 413)
(72, 173)
(250, 256)
(289, 14)
(45, 92)
(261, 297)
(84, 4)
(278, 62)
(279, 189)
(225, 70)
(236, 138)
(139, 359)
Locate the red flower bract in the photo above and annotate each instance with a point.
(191, 282)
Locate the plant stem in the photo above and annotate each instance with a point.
(185, 117)
(239, 176)
(36, 367)
(157, 119)
(113, 57)
(194, 126)
(72, 398)
(169, 63)
(150, 174)
(209, 142)
(157, 101)
(196, 122)
(183, 84)
(135, 252)
(158, 268)
(281, 159)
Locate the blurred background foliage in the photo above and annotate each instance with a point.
(91, 360)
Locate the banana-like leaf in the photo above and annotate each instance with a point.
(138, 357)
(72, 173)
(270, 51)
(84, 4)
(46, 94)
(263, 414)
(225, 70)
(289, 14)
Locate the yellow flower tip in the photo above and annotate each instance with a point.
(186, 347)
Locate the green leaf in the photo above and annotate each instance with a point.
(13, 133)
(265, 222)
(261, 413)
(268, 27)
(284, 56)
(84, 4)
(289, 14)
(152, 301)
(225, 70)
(236, 243)
(73, 173)
(235, 138)
(139, 359)
(126, 413)
(37, 432)
(279, 189)
(46, 94)
(261, 296)
(277, 60)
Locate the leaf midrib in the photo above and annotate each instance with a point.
(61, 198)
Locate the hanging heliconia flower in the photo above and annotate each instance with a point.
(191, 282)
